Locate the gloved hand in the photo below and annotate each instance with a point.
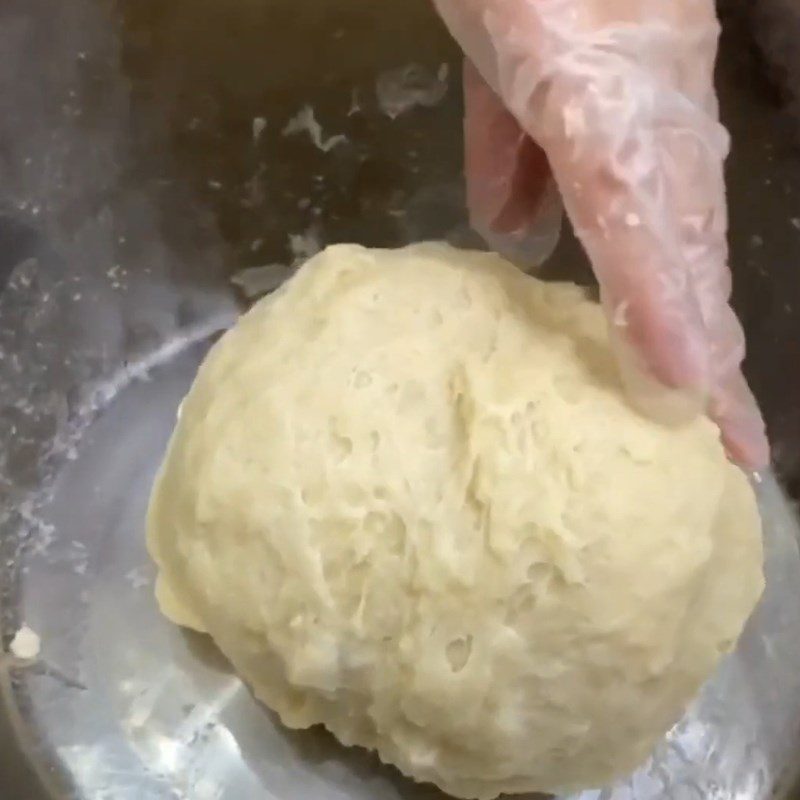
(614, 99)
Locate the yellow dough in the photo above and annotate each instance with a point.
(409, 501)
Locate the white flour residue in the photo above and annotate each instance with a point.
(41, 534)
(26, 644)
(355, 103)
(304, 245)
(259, 126)
(139, 578)
(305, 122)
(257, 281)
(620, 319)
(400, 90)
(632, 220)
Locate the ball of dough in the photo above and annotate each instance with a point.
(408, 499)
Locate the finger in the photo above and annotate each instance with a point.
(647, 192)
(620, 95)
(507, 173)
(736, 412)
(644, 281)
(511, 194)
(591, 107)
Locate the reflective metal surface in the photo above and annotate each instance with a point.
(149, 150)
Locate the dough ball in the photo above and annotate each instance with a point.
(409, 501)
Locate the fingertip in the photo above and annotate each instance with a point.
(750, 451)
(742, 428)
(668, 402)
(530, 245)
(659, 339)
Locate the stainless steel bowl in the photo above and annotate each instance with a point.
(148, 152)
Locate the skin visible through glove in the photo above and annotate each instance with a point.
(619, 96)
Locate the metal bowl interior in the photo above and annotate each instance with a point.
(160, 149)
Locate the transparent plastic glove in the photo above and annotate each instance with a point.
(619, 96)
(511, 193)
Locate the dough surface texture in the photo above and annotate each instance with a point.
(407, 498)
